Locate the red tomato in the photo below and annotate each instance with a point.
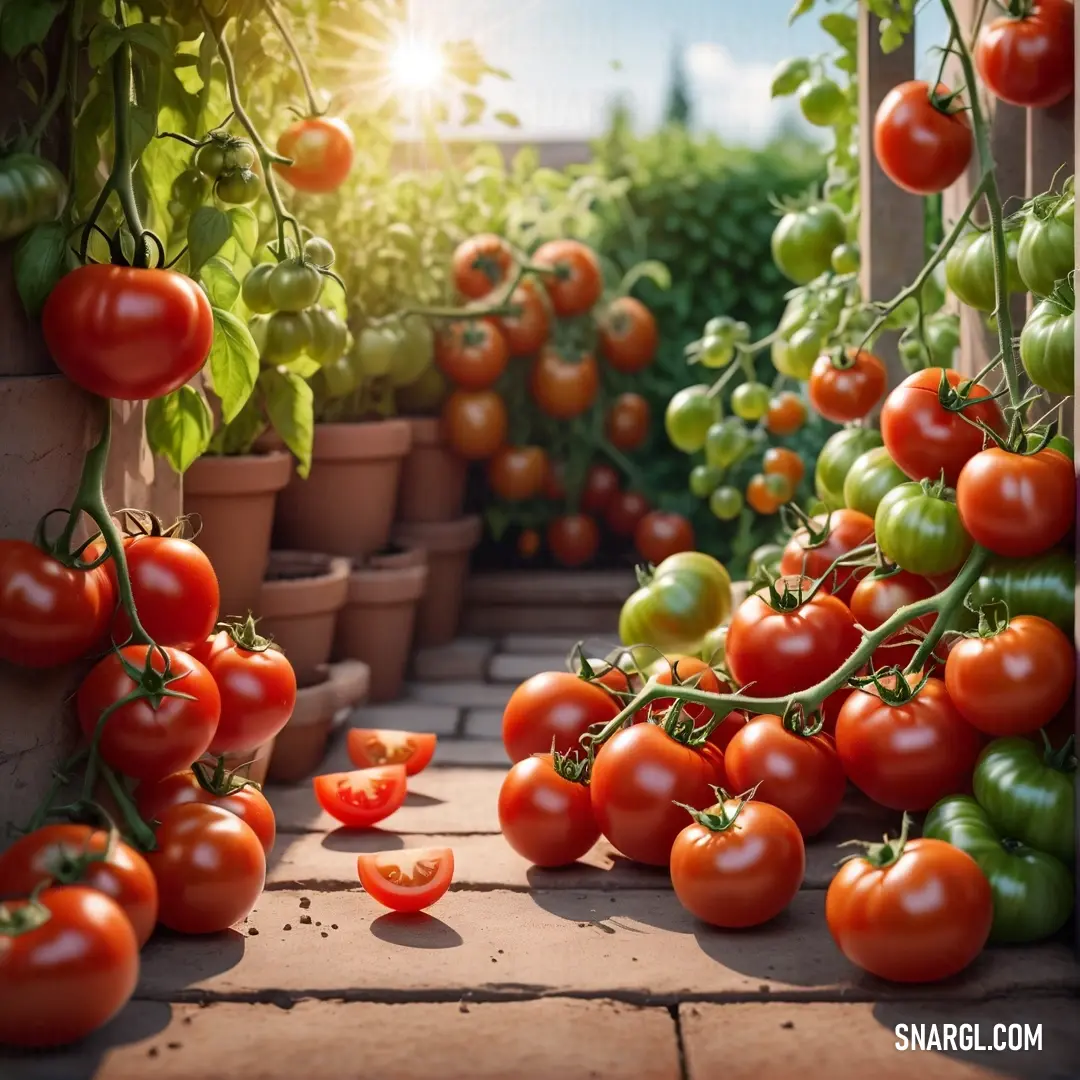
(516, 473)
(800, 774)
(627, 423)
(786, 414)
(474, 423)
(659, 534)
(920, 147)
(370, 748)
(526, 332)
(742, 874)
(121, 332)
(628, 335)
(921, 914)
(847, 389)
(364, 797)
(545, 817)
(321, 149)
(408, 880)
(877, 599)
(49, 614)
(75, 855)
(728, 728)
(612, 677)
(471, 353)
(1017, 504)
(528, 544)
(210, 868)
(480, 264)
(576, 282)
(625, 511)
(680, 671)
(1029, 61)
(553, 705)
(924, 438)
(70, 974)
(811, 553)
(573, 539)
(138, 740)
(1014, 682)
(638, 776)
(601, 486)
(780, 461)
(245, 800)
(907, 756)
(564, 387)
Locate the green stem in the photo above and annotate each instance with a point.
(732, 371)
(140, 832)
(60, 90)
(298, 60)
(753, 347)
(72, 96)
(120, 177)
(60, 777)
(952, 601)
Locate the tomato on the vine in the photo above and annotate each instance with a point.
(786, 414)
(573, 539)
(528, 543)
(969, 268)
(627, 423)
(1047, 344)
(624, 512)
(690, 414)
(847, 388)
(516, 473)
(601, 486)
(726, 503)
(575, 282)
(480, 264)
(767, 493)
(750, 401)
(1045, 253)
(660, 534)
(471, 353)
(369, 748)
(836, 459)
(321, 150)
(816, 546)
(876, 599)
(822, 102)
(871, 477)
(803, 241)
(238, 187)
(564, 387)
(474, 423)
(628, 335)
(362, 797)
(527, 331)
(408, 880)
(684, 671)
(553, 705)
(918, 527)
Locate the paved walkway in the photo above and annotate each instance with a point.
(588, 973)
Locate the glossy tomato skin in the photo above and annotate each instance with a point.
(471, 353)
(876, 599)
(659, 535)
(919, 147)
(628, 335)
(247, 802)
(1043, 585)
(907, 756)
(546, 818)
(834, 535)
(321, 149)
(638, 776)
(801, 775)
(474, 423)
(49, 614)
(85, 956)
(628, 421)
(871, 477)
(527, 331)
(684, 671)
(847, 390)
(1029, 61)
(481, 264)
(408, 880)
(786, 414)
(127, 333)
(138, 740)
(553, 705)
(1017, 504)
(837, 458)
(921, 531)
(573, 539)
(562, 387)
(52, 854)
(370, 748)
(516, 473)
(576, 283)
(625, 511)
(743, 876)
(926, 440)
(361, 798)
(922, 919)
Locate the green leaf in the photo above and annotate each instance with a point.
(303, 366)
(39, 264)
(220, 283)
(179, 427)
(208, 230)
(290, 405)
(474, 108)
(143, 128)
(508, 119)
(650, 270)
(801, 8)
(245, 227)
(150, 37)
(25, 23)
(105, 39)
(234, 363)
(789, 76)
(842, 29)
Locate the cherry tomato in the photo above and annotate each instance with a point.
(624, 512)
(876, 599)
(779, 461)
(370, 748)
(810, 552)
(545, 817)
(554, 487)
(847, 389)
(628, 335)
(786, 414)
(516, 473)
(660, 534)
(553, 705)
(408, 880)
(364, 797)
(576, 282)
(573, 539)
(628, 422)
(481, 264)
(528, 544)
(474, 423)
(601, 486)
(561, 387)
(527, 331)
(766, 494)
(238, 187)
(321, 149)
(638, 776)
(471, 353)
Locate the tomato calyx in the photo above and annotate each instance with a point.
(957, 398)
(891, 685)
(718, 818)
(883, 855)
(244, 633)
(26, 919)
(799, 722)
(571, 766)
(1063, 760)
(993, 619)
(788, 594)
(220, 781)
(1020, 9)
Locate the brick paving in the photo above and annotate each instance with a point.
(583, 973)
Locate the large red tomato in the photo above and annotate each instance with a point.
(811, 551)
(321, 150)
(474, 423)
(877, 599)
(121, 332)
(575, 281)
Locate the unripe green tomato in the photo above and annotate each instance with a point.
(906, 314)
(374, 351)
(721, 326)
(340, 377)
(294, 286)
(257, 326)
(845, 258)
(238, 187)
(726, 503)
(329, 336)
(415, 351)
(319, 251)
(822, 102)
(288, 334)
(240, 155)
(190, 189)
(688, 417)
(741, 331)
(725, 442)
(795, 357)
(256, 289)
(704, 480)
(210, 159)
(716, 352)
(750, 401)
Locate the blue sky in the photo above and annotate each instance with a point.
(560, 54)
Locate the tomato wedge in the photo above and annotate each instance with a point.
(407, 880)
(371, 747)
(361, 798)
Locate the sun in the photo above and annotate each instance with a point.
(416, 65)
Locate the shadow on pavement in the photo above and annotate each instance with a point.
(362, 841)
(415, 931)
(414, 798)
(187, 966)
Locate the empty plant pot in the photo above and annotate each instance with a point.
(301, 597)
(448, 545)
(301, 744)
(376, 623)
(395, 557)
(234, 499)
(346, 505)
(432, 476)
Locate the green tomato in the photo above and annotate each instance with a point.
(726, 503)
(257, 325)
(764, 561)
(240, 154)
(725, 442)
(689, 415)
(835, 460)
(415, 352)
(1057, 442)
(716, 351)
(871, 477)
(704, 480)
(1047, 345)
(720, 326)
(319, 251)
(329, 336)
(425, 394)
(189, 190)
(1043, 585)
(969, 269)
(294, 286)
(803, 241)
(32, 192)
(796, 314)
(741, 331)
(238, 187)
(256, 289)
(1029, 796)
(822, 102)
(340, 378)
(713, 649)
(942, 344)
(288, 334)
(750, 401)
(374, 351)
(921, 532)
(845, 258)
(1033, 891)
(795, 357)
(210, 159)
(1045, 254)
(906, 314)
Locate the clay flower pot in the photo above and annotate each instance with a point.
(301, 744)
(346, 505)
(432, 477)
(376, 623)
(234, 498)
(448, 545)
(301, 597)
(253, 764)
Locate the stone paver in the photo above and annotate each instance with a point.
(497, 620)
(461, 694)
(628, 945)
(482, 724)
(408, 716)
(482, 753)
(781, 1040)
(465, 658)
(511, 668)
(575, 590)
(556, 644)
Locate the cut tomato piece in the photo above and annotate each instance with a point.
(370, 747)
(407, 880)
(361, 798)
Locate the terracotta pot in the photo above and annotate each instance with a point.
(396, 557)
(448, 545)
(301, 597)
(376, 624)
(432, 477)
(253, 764)
(301, 745)
(234, 499)
(346, 505)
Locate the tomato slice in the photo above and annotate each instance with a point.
(361, 798)
(369, 747)
(407, 880)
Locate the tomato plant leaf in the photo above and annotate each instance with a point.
(474, 108)
(842, 29)
(25, 24)
(39, 264)
(801, 8)
(208, 230)
(303, 366)
(789, 76)
(290, 405)
(245, 228)
(220, 283)
(508, 119)
(143, 127)
(150, 37)
(179, 427)
(105, 39)
(234, 362)
(498, 521)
